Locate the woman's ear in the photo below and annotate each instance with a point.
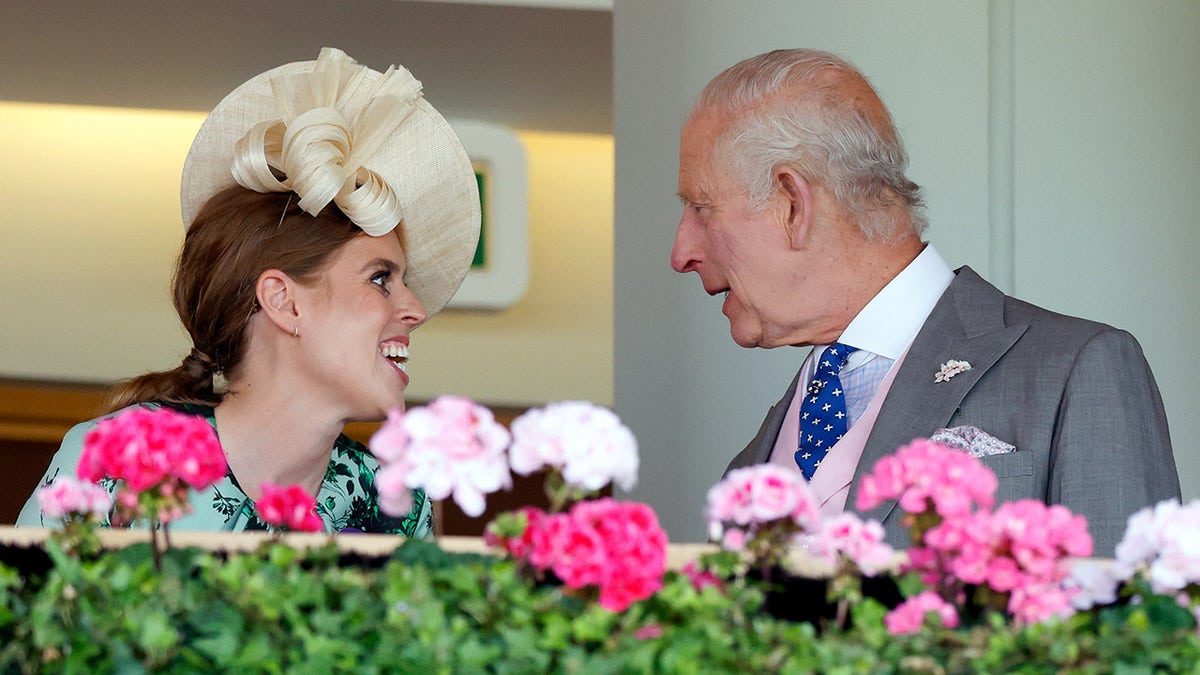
(797, 208)
(277, 296)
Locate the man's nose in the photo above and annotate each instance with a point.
(682, 257)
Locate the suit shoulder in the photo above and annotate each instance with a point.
(1063, 329)
(1021, 311)
(1064, 334)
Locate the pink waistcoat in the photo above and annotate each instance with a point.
(831, 481)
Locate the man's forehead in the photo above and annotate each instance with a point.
(698, 173)
(704, 123)
(695, 179)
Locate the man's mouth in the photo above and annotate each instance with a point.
(397, 353)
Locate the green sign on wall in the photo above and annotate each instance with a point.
(480, 260)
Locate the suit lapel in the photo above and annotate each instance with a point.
(967, 324)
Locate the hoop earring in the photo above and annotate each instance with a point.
(295, 330)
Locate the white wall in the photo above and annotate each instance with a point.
(1107, 182)
(1057, 146)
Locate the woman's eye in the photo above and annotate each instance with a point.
(382, 279)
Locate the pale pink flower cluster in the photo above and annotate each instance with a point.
(910, 615)
(1093, 582)
(748, 499)
(68, 496)
(389, 444)
(588, 443)
(450, 447)
(288, 507)
(1162, 543)
(924, 471)
(1024, 549)
(618, 547)
(157, 452)
(847, 536)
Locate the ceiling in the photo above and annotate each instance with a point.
(526, 67)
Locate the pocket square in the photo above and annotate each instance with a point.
(972, 440)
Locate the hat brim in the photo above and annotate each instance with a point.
(423, 161)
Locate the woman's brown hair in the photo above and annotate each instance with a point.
(236, 236)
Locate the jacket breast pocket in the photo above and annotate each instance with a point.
(1010, 465)
(1014, 476)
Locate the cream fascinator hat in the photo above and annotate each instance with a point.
(332, 130)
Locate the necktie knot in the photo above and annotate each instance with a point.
(833, 359)
(835, 356)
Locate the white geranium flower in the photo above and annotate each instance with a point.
(588, 443)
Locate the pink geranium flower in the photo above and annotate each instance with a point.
(288, 507)
(761, 494)
(588, 443)
(701, 579)
(451, 447)
(861, 542)
(648, 632)
(1021, 552)
(517, 546)
(909, 616)
(156, 452)
(924, 471)
(67, 496)
(761, 509)
(395, 497)
(618, 547)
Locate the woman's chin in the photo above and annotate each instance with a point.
(380, 413)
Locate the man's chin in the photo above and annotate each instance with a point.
(748, 341)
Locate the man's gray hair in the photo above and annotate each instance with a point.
(781, 111)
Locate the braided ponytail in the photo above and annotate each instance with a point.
(191, 382)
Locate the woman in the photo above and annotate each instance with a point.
(339, 210)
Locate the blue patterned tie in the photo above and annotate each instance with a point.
(823, 412)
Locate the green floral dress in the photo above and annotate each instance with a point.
(346, 502)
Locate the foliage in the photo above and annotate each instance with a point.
(423, 610)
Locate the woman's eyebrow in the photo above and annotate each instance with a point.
(389, 265)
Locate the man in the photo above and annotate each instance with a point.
(798, 210)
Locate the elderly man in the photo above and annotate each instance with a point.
(798, 210)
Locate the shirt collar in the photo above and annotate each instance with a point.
(891, 320)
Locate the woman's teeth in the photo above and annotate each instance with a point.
(396, 353)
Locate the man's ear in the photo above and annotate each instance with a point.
(797, 208)
(277, 296)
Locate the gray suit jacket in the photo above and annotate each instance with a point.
(1075, 397)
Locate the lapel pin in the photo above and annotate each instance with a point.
(949, 369)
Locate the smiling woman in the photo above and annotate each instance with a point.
(331, 210)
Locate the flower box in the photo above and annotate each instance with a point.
(591, 584)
